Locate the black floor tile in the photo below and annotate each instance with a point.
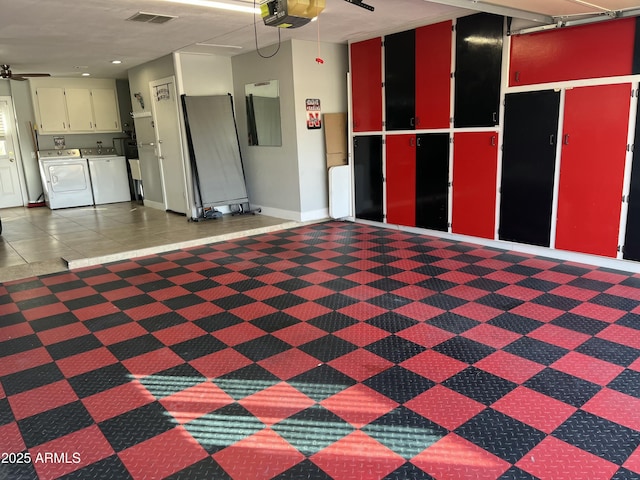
(328, 348)
(569, 269)
(110, 467)
(590, 284)
(282, 302)
(444, 301)
(399, 384)
(515, 323)
(54, 321)
(31, 378)
(408, 471)
(160, 322)
(88, 301)
(464, 349)
(535, 350)
(262, 347)
(135, 346)
(580, 324)
(18, 345)
(630, 320)
(453, 323)
(304, 469)
(99, 380)
(392, 322)
(218, 321)
(563, 387)
(6, 414)
(501, 302)
(609, 351)
(556, 301)
(198, 347)
(321, 382)
(55, 423)
(628, 382)
(479, 385)
(599, 436)
(232, 301)
(246, 381)
(537, 284)
(207, 468)
(395, 349)
(615, 301)
(274, 322)
(501, 435)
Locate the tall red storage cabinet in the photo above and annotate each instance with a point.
(592, 165)
(401, 179)
(366, 85)
(475, 169)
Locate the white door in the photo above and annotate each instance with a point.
(164, 106)
(10, 190)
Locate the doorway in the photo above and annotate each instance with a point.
(10, 185)
(164, 107)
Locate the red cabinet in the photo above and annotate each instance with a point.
(592, 168)
(366, 85)
(589, 51)
(401, 179)
(433, 75)
(475, 168)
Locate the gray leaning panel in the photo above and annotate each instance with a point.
(215, 145)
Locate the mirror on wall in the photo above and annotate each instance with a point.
(263, 113)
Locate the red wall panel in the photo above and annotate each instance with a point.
(592, 168)
(401, 179)
(433, 71)
(475, 167)
(366, 85)
(587, 51)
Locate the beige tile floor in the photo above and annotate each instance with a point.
(37, 241)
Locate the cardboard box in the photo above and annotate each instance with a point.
(335, 135)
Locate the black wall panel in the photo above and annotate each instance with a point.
(528, 166)
(400, 80)
(632, 237)
(367, 154)
(432, 181)
(478, 70)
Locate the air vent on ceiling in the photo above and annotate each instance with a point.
(144, 17)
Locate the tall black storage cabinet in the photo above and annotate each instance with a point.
(367, 156)
(432, 181)
(400, 80)
(528, 166)
(478, 70)
(632, 237)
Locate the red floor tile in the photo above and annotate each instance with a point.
(360, 364)
(466, 292)
(362, 311)
(537, 312)
(15, 331)
(477, 311)
(147, 311)
(419, 311)
(196, 401)
(220, 363)
(120, 293)
(359, 405)
(633, 462)
(76, 293)
(557, 460)
(78, 449)
(361, 334)
(576, 293)
(562, 337)
(152, 362)
(588, 368)
(454, 458)
(425, 335)
(258, 457)
(11, 439)
(307, 311)
(60, 334)
(289, 363)
(437, 403)
(359, 454)
(44, 312)
(95, 311)
(85, 362)
(299, 334)
(434, 366)
(520, 293)
(457, 277)
(622, 335)
(24, 360)
(117, 400)
(493, 336)
(178, 333)
(30, 294)
(510, 367)
(615, 406)
(598, 312)
(275, 403)
(534, 409)
(41, 399)
(505, 277)
(120, 333)
(149, 459)
(556, 277)
(169, 293)
(624, 292)
(253, 311)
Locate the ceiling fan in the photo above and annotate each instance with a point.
(5, 72)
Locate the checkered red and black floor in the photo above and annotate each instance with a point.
(335, 350)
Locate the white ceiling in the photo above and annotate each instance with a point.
(68, 37)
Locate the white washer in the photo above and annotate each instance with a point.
(109, 175)
(65, 178)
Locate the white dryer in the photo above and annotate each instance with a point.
(109, 175)
(65, 178)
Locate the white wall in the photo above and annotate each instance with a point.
(327, 82)
(271, 172)
(139, 78)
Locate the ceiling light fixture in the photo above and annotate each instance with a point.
(217, 45)
(218, 5)
(85, 74)
(116, 62)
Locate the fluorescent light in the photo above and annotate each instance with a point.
(85, 74)
(217, 45)
(116, 62)
(218, 5)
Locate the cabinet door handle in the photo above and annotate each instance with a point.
(494, 117)
(115, 124)
(566, 139)
(412, 142)
(412, 122)
(418, 142)
(64, 125)
(493, 140)
(90, 124)
(417, 121)
(552, 139)
(517, 76)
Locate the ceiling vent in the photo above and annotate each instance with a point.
(144, 17)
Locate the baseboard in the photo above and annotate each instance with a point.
(156, 205)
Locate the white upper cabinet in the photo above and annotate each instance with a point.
(75, 105)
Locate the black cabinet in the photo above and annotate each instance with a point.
(432, 181)
(528, 166)
(478, 70)
(632, 236)
(367, 155)
(400, 80)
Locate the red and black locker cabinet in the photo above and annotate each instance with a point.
(368, 184)
(366, 85)
(528, 167)
(631, 249)
(401, 179)
(594, 141)
(433, 75)
(475, 169)
(479, 40)
(588, 51)
(432, 181)
(400, 80)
